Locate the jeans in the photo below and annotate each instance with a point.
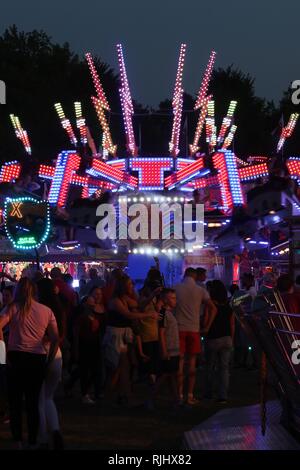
(48, 412)
(25, 375)
(89, 366)
(218, 354)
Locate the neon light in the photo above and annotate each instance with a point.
(194, 147)
(186, 174)
(16, 209)
(126, 103)
(98, 87)
(80, 122)
(229, 138)
(257, 159)
(67, 163)
(177, 104)
(210, 125)
(241, 162)
(205, 82)
(252, 172)
(10, 171)
(120, 164)
(228, 177)
(101, 169)
(26, 242)
(181, 163)
(100, 103)
(287, 130)
(206, 182)
(293, 165)
(227, 121)
(68, 248)
(21, 133)
(151, 171)
(66, 125)
(107, 140)
(89, 185)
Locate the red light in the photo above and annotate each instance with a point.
(184, 175)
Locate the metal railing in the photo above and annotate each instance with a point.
(273, 331)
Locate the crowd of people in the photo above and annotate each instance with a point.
(106, 336)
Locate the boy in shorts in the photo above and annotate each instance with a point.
(169, 345)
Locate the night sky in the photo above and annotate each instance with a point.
(260, 37)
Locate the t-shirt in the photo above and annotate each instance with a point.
(29, 335)
(169, 322)
(117, 320)
(67, 293)
(89, 325)
(220, 327)
(190, 297)
(147, 328)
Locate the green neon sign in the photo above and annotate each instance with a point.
(27, 222)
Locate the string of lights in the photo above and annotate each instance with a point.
(66, 125)
(126, 104)
(177, 103)
(21, 133)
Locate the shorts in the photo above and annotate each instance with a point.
(169, 366)
(189, 342)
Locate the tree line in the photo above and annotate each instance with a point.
(39, 72)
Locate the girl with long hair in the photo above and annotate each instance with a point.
(122, 311)
(28, 355)
(49, 421)
(147, 329)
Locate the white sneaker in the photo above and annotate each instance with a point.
(86, 400)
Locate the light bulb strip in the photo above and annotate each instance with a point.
(177, 103)
(201, 120)
(184, 175)
(228, 140)
(80, 122)
(287, 131)
(107, 139)
(98, 86)
(66, 125)
(227, 121)
(205, 82)
(126, 104)
(21, 133)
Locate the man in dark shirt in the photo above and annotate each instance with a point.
(219, 336)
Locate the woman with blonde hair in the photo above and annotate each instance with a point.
(32, 328)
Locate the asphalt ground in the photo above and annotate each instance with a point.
(106, 425)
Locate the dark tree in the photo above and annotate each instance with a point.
(39, 73)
